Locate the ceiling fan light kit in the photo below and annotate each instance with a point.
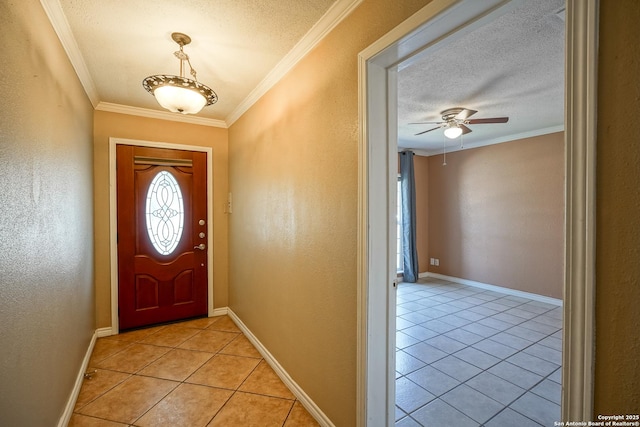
(454, 121)
(453, 131)
(180, 94)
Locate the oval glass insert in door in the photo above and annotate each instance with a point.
(164, 213)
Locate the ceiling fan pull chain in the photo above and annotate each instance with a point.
(444, 151)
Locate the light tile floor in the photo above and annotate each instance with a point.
(201, 372)
(466, 356)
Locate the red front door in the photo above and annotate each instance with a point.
(162, 253)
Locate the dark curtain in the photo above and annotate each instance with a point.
(409, 251)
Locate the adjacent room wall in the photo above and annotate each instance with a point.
(116, 125)
(46, 232)
(496, 214)
(617, 377)
(421, 172)
(293, 174)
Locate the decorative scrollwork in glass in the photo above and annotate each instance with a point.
(164, 213)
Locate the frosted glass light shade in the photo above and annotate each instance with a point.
(452, 132)
(179, 94)
(179, 99)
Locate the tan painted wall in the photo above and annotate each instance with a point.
(293, 173)
(46, 232)
(421, 172)
(496, 214)
(617, 376)
(308, 302)
(140, 128)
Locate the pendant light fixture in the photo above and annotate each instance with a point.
(179, 93)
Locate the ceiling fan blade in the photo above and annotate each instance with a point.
(491, 120)
(465, 130)
(429, 130)
(427, 123)
(465, 113)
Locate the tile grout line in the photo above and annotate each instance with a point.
(174, 347)
(203, 385)
(139, 341)
(522, 302)
(181, 382)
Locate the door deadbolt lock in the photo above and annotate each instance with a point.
(201, 222)
(201, 235)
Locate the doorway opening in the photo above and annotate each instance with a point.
(377, 240)
(460, 338)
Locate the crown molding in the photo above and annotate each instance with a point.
(336, 13)
(507, 138)
(162, 115)
(61, 26)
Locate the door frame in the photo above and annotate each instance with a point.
(113, 224)
(377, 151)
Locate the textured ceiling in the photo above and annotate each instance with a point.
(513, 66)
(235, 43)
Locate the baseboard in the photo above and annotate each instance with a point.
(304, 399)
(219, 311)
(71, 403)
(104, 332)
(502, 290)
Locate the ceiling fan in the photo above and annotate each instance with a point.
(454, 120)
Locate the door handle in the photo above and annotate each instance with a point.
(201, 246)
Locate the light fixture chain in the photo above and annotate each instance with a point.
(184, 57)
(192, 70)
(181, 57)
